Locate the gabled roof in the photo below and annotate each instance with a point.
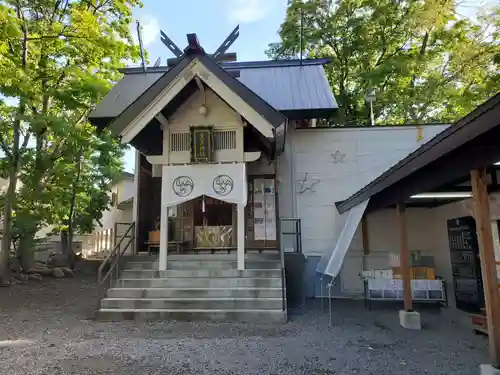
(194, 63)
(295, 88)
(123, 118)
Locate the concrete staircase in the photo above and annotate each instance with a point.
(206, 287)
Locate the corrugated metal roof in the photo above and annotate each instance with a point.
(291, 88)
(124, 93)
(285, 87)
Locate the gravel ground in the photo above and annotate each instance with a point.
(45, 329)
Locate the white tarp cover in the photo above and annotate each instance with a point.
(344, 230)
(226, 182)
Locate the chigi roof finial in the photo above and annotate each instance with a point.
(194, 46)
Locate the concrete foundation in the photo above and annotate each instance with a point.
(409, 319)
(489, 370)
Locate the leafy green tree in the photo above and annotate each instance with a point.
(57, 59)
(425, 62)
(83, 199)
(74, 194)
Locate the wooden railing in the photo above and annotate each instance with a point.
(100, 242)
(109, 270)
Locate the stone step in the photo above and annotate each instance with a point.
(248, 257)
(150, 274)
(248, 316)
(194, 293)
(193, 303)
(199, 283)
(175, 256)
(203, 264)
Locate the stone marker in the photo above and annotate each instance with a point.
(409, 319)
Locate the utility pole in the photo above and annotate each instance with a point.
(370, 97)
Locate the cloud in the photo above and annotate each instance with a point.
(150, 29)
(247, 11)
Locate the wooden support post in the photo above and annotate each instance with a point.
(488, 264)
(404, 256)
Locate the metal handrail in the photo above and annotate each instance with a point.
(116, 238)
(283, 281)
(116, 255)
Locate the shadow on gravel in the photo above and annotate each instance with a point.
(50, 320)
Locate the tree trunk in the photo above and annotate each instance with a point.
(10, 199)
(71, 215)
(7, 226)
(14, 160)
(71, 257)
(26, 251)
(66, 249)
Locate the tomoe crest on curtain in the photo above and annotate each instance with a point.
(183, 186)
(223, 184)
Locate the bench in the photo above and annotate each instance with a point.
(178, 245)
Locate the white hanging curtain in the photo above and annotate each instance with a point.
(345, 228)
(226, 182)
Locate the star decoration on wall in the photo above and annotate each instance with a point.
(307, 184)
(338, 157)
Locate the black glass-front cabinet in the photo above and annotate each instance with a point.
(465, 263)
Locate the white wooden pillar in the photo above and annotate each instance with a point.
(135, 208)
(240, 222)
(163, 238)
(162, 266)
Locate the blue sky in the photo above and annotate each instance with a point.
(212, 21)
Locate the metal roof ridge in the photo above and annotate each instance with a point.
(262, 64)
